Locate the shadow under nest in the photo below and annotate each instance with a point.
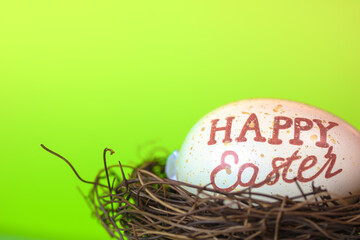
(144, 204)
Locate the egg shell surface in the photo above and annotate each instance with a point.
(268, 144)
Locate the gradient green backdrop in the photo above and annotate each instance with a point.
(79, 76)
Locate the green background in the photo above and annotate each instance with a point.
(79, 76)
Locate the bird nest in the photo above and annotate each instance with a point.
(141, 203)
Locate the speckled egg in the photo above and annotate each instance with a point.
(268, 144)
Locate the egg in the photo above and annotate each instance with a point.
(269, 145)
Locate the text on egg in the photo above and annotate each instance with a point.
(280, 123)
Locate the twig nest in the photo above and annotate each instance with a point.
(148, 206)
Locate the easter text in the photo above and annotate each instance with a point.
(280, 168)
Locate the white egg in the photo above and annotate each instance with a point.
(268, 144)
